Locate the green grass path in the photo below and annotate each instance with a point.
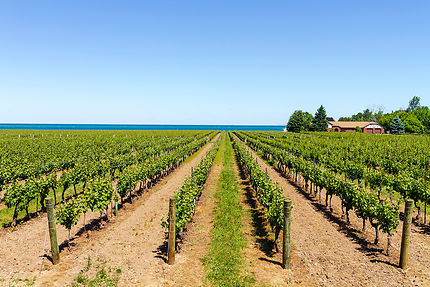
(224, 263)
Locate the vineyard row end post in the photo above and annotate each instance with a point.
(172, 232)
(286, 234)
(52, 230)
(406, 235)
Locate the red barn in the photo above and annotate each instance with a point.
(366, 127)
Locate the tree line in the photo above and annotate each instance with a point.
(414, 119)
(303, 121)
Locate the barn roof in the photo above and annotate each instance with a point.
(352, 125)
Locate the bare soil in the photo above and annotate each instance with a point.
(264, 261)
(332, 253)
(130, 241)
(188, 269)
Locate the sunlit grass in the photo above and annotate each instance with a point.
(225, 263)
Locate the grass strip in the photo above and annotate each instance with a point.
(224, 263)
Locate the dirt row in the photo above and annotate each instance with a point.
(259, 258)
(334, 255)
(264, 262)
(130, 241)
(188, 269)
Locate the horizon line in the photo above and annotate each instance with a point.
(139, 124)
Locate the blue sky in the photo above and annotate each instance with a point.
(209, 62)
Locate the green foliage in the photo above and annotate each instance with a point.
(307, 121)
(412, 124)
(46, 184)
(99, 194)
(322, 170)
(416, 118)
(296, 123)
(191, 190)
(358, 129)
(21, 282)
(410, 121)
(32, 190)
(126, 182)
(269, 193)
(365, 116)
(350, 167)
(65, 180)
(92, 156)
(414, 104)
(68, 213)
(423, 115)
(15, 195)
(388, 218)
(396, 126)
(320, 123)
(105, 276)
(19, 196)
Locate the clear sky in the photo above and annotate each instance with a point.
(209, 62)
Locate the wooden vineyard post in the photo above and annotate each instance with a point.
(52, 231)
(406, 235)
(286, 234)
(172, 232)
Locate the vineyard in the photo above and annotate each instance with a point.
(372, 176)
(94, 163)
(192, 208)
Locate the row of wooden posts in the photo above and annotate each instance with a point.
(404, 252)
(286, 234)
(286, 242)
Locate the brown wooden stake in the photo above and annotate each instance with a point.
(52, 230)
(286, 234)
(172, 232)
(37, 205)
(406, 235)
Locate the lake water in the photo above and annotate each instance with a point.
(138, 127)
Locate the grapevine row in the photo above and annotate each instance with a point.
(101, 192)
(269, 194)
(26, 155)
(190, 191)
(19, 195)
(407, 183)
(381, 214)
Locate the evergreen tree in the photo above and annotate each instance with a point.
(320, 122)
(396, 126)
(296, 122)
(308, 120)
